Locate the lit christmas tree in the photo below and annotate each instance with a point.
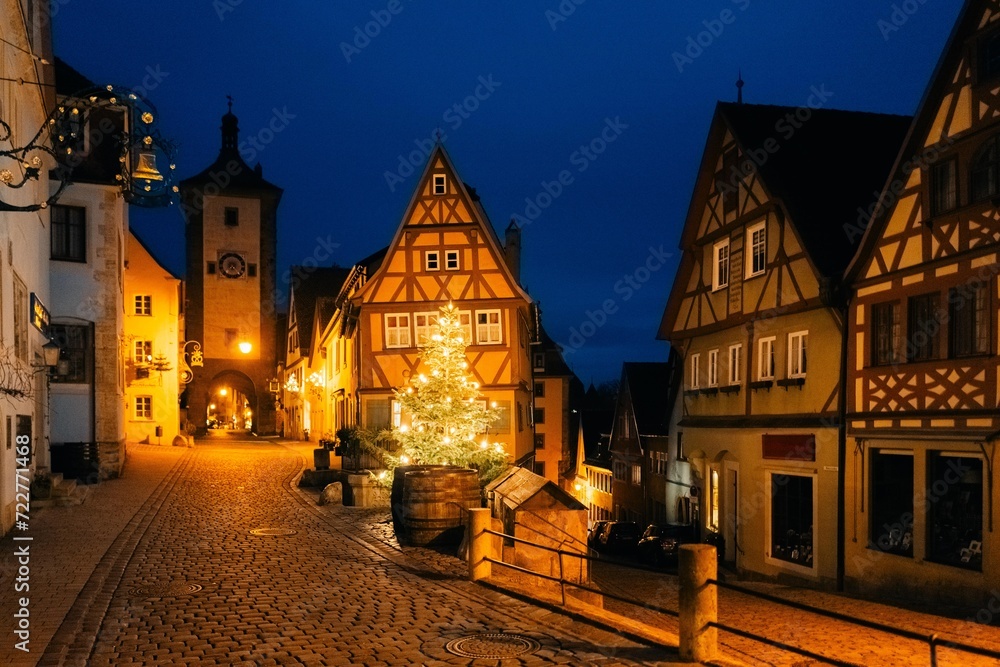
(448, 416)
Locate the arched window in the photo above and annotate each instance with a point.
(986, 170)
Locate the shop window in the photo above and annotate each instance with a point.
(955, 514)
(792, 518)
(892, 502)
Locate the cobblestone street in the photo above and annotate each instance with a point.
(161, 568)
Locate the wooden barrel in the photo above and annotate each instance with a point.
(434, 504)
(396, 495)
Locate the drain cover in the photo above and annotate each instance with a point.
(164, 589)
(495, 645)
(273, 532)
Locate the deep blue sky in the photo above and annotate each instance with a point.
(556, 89)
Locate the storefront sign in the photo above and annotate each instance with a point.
(790, 447)
(39, 314)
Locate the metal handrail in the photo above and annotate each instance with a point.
(932, 640)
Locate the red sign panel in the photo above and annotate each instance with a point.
(790, 447)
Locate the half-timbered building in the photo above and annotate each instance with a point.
(922, 358)
(754, 316)
(446, 250)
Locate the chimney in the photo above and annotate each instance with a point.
(512, 249)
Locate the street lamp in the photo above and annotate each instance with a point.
(245, 347)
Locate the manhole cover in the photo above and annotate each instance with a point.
(495, 645)
(273, 532)
(163, 590)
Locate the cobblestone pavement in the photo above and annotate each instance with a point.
(161, 568)
(836, 640)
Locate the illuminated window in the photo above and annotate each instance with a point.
(143, 304)
(765, 358)
(397, 331)
(636, 474)
(432, 260)
(397, 414)
(423, 327)
(713, 500)
(488, 330)
(142, 351)
(440, 184)
(797, 354)
(144, 407)
(720, 264)
(756, 249)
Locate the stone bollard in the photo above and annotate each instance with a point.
(698, 602)
(480, 545)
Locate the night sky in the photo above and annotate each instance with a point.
(535, 83)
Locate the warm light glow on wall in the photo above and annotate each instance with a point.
(245, 347)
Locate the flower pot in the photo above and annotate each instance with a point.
(321, 459)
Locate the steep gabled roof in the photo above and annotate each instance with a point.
(596, 427)
(648, 385)
(151, 254)
(315, 284)
(832, 164)
(967, 23)
(230, 173)
(70, 81)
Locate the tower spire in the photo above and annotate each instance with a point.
(230, 128)
(739, 87)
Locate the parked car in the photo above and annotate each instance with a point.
(620, 537)
(594, 534)
(660, 544)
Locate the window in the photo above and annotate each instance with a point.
(76, 347)
(539, 415)
(636, 474)
(432, 260)
(720, 265)
(944, 187)
(989, 61)
(892, 502)
(397, 331)
(232, 216)
(539, 441)
(143, 304)
(756, 249)
(451, 260)
(885, 334)
(735, 361)
(713, 500)
(986, 170)
(792, 518)
(210, 268)
(440, 184)
(695, 371)
(69, 233)
(423, 327)
(502, 423)
(144, 407)
(377, 413)
(923, 327)
(765, 358)
(488, 330)
(465, 319)
(713, 368)
(538, 361)
(397, 413)
(955, 514)
(20, 320)
(251, 270)
(539, 468)
(142, 351)
(969, 325)
(797, 354)
(539, 390)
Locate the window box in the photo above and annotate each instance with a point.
(791, 382)
(730, 389)
(762, 384)
(710, 391)
(692, 392)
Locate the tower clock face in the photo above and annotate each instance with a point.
(232, 265)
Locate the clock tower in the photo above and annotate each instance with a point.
(231, 231)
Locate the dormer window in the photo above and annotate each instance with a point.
(440, 184)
